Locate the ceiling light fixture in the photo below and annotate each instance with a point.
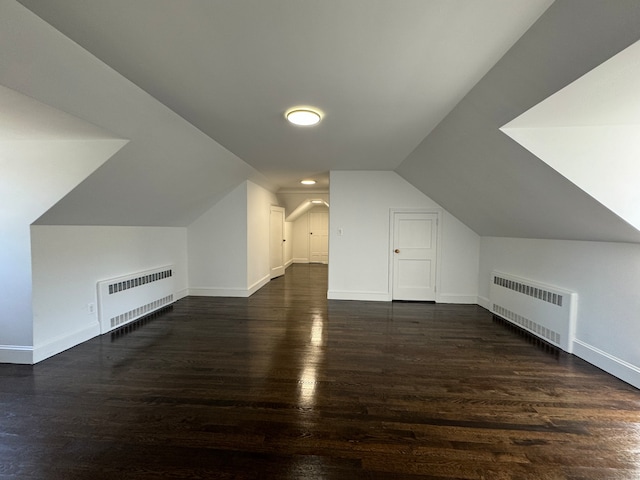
(303, 116)
(308, 182)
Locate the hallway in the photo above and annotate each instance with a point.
(288, 385)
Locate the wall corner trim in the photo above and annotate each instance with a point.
(617, 367)
(484, 302)
(65, 342)
(258, 285)
(180, 294)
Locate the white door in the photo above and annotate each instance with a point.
(276, 241)
(319, 237)
(415, 238)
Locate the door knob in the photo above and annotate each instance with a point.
(397, 251)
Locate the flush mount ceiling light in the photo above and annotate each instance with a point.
(308, 182)
(303, 116)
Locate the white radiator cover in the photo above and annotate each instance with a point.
(124, 299)
(544, 310)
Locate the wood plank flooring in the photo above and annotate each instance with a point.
(288, 385)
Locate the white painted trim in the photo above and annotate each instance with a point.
(484, 302)
(218, 292)
(65, 342)
(278, 270)
(609, 363)
(300, 260)
(439, 214)
(288, 263)
(180, 294)
(258, 285)
(229, 292)
(21, 354)
(362, 296)
(458, 298)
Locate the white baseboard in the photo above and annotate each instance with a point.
(609, 363)
(457, 298)
(218, 292)
(387, 297)
(229, 292)
(288, 263)
(180, 294)
(16, 354)
(258, 285)
(300, 260)
(65, 342)
(362, 296)
(484, 302)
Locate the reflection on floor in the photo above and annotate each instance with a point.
(288, 385)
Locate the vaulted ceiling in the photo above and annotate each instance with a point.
(384, 73)
(421, 87)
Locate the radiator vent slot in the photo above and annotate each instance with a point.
(140, 311)
(139, 281)
(545, 311)
(535, 292)
(127, 298)
(540, 331)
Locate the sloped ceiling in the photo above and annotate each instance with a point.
(485, 178)
(384, 73)
(169, 172)
(589, 132)
(385, 77)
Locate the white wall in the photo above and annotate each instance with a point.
(229, 244)
(35, 175)
(218, 248)
(169, 173)
(359, 259)
(68, 261)
(606, 277)
(259, 201)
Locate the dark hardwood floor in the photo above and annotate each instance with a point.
(288, 385)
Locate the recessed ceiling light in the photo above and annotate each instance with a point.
(303, 116)
(308, 182)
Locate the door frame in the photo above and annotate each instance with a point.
(273, 273)
(432, 211)
(310, 234)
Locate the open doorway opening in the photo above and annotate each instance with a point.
(308, 226)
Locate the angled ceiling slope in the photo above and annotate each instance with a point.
(590, 133)
(44, 154)
(167, 175)
(489, 181)
(384, 73)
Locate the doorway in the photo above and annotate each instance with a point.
(319, 237)
(414, 255)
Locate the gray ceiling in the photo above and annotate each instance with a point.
(489, 181)
(384, 72)
(411, 86)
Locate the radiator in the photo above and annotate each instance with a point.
(124, 299)
(546, 311)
